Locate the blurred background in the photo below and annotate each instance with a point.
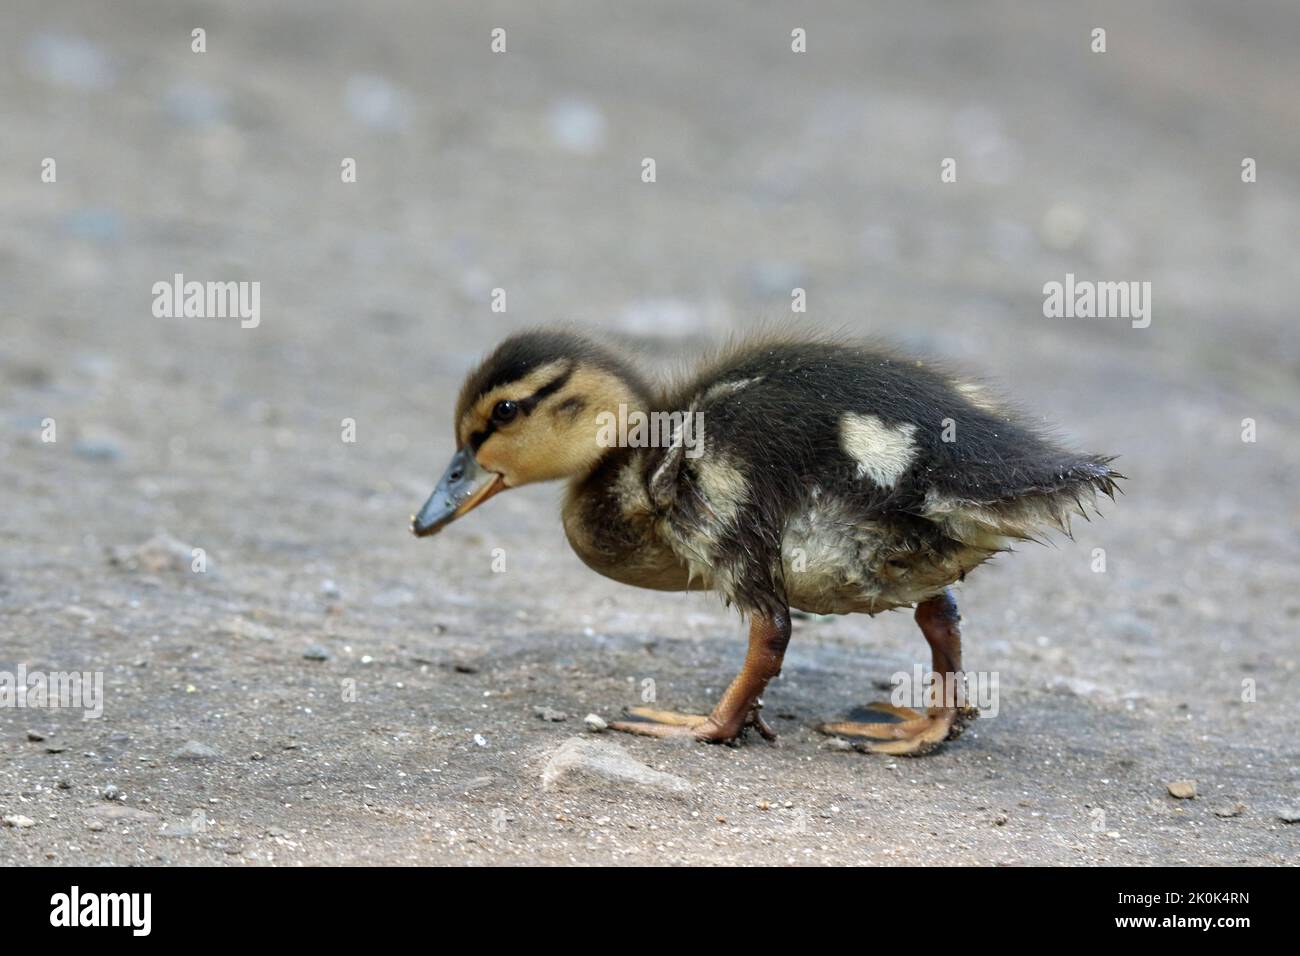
(521, 171)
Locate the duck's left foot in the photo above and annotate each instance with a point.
(668, 723)
(916, 733)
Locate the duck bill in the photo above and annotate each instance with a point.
(463, 487)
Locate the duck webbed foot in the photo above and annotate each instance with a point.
(707, 727)
(739, 707)
(914, 734)
(918, 732)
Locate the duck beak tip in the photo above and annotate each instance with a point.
(463, 487)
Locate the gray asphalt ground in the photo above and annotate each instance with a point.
(417, 740)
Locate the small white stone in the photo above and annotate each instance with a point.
(583, 763)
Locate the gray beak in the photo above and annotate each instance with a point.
(463, 487)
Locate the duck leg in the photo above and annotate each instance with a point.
(739, 706)
(916, 733)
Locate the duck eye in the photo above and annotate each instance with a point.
(504, 411)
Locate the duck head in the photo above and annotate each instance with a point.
(529, 413)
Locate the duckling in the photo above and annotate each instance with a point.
(820, 475)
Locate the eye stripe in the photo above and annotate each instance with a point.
(550, 388)
(571, 406)
(526, 405)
